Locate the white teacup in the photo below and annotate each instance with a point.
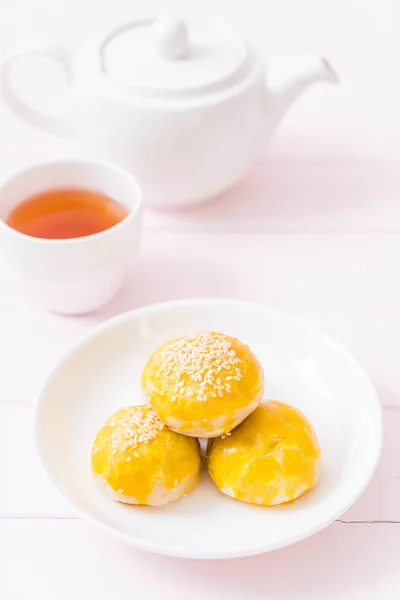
(78, 275)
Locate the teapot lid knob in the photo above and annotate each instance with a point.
(175, 57)
(171, 39)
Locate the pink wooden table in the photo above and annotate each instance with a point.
(315, 229)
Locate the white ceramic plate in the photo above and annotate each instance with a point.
(302, 367)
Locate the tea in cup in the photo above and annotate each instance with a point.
(71, 229)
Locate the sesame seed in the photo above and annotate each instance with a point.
(136, 454)
(95, 450)
(128, 459)
(120, 491)
(139, 425)
(207, 359)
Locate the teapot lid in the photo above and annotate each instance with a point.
(170, 56)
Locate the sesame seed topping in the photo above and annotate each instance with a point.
(135, 425)
(120, 491)
(199, 358)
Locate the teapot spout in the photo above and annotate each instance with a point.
(285, 81)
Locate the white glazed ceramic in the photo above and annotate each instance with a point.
(302, 367)
(79, 275)
(185, 105)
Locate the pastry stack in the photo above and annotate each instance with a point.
(208, 385)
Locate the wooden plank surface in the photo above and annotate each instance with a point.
(67, 559)
(314, 228)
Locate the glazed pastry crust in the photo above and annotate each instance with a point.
(137, 460)
(272, 458)
(203, 385)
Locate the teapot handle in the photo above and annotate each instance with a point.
(13, 100)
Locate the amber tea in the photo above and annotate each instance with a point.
(66, 213)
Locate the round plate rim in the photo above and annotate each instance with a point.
(164, 549)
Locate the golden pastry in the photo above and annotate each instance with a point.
(270, 459)
(203, 385)
(137, 460)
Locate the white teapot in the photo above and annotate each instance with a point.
(186, 106)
